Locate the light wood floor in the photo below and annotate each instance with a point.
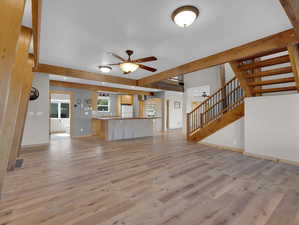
(152, 181)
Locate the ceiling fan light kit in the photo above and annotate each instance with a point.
(184, 16)
(105, 69)
(129, 65)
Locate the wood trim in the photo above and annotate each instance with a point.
(36, 26)
(294, 56)
(262, 46)
(241, 76)
(97, 88)
(68, 72)
(33, 147)
(273, 72)
(72, 111)
(94, 99)
(291, 8)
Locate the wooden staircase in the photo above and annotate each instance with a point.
(227, 104)
(255, 77)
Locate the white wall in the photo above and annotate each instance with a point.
(37, 122)
(203, 78)
(231, 136)
(271, 126)
(210, 76)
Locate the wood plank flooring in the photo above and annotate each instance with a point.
(151, 181)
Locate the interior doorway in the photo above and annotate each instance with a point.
(60, 114)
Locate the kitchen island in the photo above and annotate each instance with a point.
(118, 128)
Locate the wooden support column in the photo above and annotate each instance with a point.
(22, 105)
(241, 76)
(11, 13)
(291, 8)
(19, 77)
(294, 57)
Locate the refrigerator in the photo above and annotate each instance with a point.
(126, 111)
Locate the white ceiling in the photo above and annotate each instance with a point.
(78, 34)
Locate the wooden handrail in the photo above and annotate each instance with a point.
(221, 89)
(222, 101)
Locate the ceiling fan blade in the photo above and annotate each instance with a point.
(147, 59)
(117, 56)
(147, 68)
(113, 64)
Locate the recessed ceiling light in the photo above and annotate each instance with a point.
(105, 69)
(185, 15)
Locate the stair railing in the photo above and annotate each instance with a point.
(222, 101)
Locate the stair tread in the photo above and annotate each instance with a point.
(283, 70)
(269, 90)
(267, 62)
(273, 81)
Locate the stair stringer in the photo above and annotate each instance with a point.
(218, 124)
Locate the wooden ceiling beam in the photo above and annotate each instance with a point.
(162, 85)
(262, 46)
(36, 27)
(68, 72)
(291, 8)
(98, 88)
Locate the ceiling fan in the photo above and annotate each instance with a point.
(128, 65)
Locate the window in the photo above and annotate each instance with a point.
(54, 110)
(60, 110)
(64, 110)
(103, 104)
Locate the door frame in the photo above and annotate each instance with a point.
(71, 94)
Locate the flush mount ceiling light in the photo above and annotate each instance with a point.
(105, 69)
(185, 15)
(128, 67)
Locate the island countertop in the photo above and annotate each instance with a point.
(124, 118)
(119, 128)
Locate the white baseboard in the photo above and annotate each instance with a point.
(222, 147)
(257, 156)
